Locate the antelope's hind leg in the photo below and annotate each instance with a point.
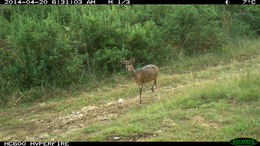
(154, 85)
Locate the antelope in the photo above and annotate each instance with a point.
(142, 75)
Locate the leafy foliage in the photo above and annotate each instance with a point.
(62, 45)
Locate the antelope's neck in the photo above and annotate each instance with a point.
(132, 70)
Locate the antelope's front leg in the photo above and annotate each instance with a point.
(140, 92)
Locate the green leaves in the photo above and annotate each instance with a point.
(57, 45)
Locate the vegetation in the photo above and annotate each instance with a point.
(60, 64)
(43, 49)
(217, 102)
(211, 112)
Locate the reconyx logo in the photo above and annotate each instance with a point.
(243, 141)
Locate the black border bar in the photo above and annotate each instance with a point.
(126, 2)
(59, 143)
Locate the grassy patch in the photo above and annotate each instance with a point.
(240, 50)
(212, 111)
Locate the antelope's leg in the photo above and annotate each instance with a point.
(140, 92)
(154, 85)
(155, 81)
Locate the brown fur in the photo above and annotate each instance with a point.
(142, 75)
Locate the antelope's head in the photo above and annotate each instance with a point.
(128, 63)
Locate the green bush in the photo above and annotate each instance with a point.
(63, 45)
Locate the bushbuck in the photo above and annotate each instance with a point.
(142, 75)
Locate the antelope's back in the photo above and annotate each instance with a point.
(147, 73)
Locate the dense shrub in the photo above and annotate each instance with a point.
(62, 45)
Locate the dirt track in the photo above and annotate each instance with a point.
(58, 125)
